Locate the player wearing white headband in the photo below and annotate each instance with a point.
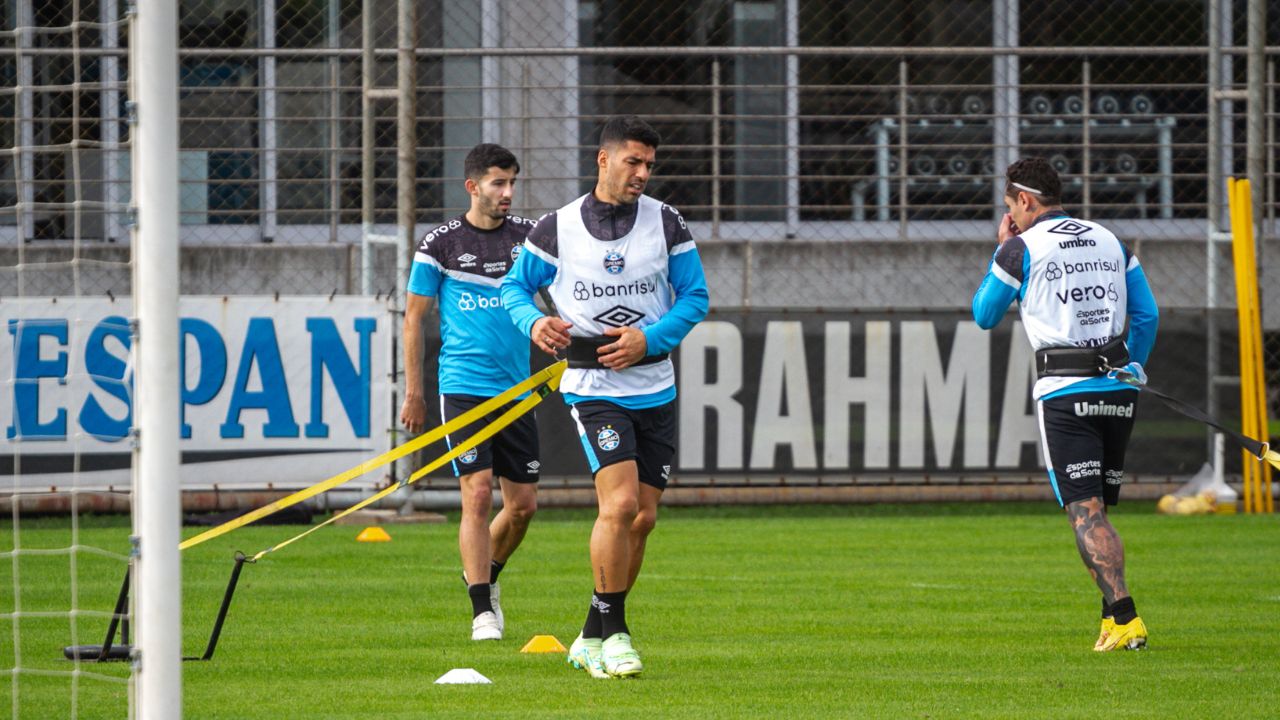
(1077, 287)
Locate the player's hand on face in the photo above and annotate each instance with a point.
(551, 334)
(626, 351)
(1008, 228)
(413, 414)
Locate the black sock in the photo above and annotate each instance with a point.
(479, 599)
(495, 567)
(1124, 611)
(1106, 609)
(592, 628)
(613, 612)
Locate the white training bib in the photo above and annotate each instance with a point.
(1075, 291)
(605, 284)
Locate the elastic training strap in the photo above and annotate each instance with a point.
(488, 431)
(1257, 448)
(550, 374)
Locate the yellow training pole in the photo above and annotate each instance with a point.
(1263, 500)
(1241, 236)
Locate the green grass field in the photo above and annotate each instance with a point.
(792, 612)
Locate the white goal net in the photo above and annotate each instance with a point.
(69, 533)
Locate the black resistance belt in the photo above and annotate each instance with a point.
(582, 353)
(1080, 361)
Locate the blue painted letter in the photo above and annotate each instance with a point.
(213, 366)
(107, 372)
(328, 351)
(28, 368)
(260, 344)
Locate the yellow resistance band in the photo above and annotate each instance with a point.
(483, 434)
(549, 376)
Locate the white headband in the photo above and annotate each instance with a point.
(1031, 190)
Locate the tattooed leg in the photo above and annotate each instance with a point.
(1099, 547)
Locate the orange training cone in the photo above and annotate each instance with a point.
(543, 644)
(373, 534)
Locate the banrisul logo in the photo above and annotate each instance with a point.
(468, 302)
(614, 262)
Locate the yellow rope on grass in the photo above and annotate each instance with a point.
(549, 376)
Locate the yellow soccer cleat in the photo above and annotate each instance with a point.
(1108, 627)
(1130, 636)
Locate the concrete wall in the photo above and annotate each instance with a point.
(849, 275)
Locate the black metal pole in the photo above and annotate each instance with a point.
(122, 602)
(226, 604)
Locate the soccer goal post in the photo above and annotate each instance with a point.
(156, 495)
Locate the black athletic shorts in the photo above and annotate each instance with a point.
(512, 453)
(612, 434)
(1085, 436)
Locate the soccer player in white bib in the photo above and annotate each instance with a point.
(625, 277)
(1077, 286)
(461, 263)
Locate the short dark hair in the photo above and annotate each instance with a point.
(487, 155)
(621, 128)
(1035, 173)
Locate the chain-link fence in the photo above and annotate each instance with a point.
(827, 154)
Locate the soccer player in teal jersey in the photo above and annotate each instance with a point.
(459, 267)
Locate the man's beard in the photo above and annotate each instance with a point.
(623, 194)
(495, 211)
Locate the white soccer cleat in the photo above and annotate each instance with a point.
(495, 593)
(619, 658)
(584, 654)
(485, 626)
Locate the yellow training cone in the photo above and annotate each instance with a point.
(373, 534)
(543, 644)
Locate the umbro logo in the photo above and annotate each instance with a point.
(1078, 243)
(666, 472)
(1069, 227)
(533, 466)
(466, 257)
(619, 316)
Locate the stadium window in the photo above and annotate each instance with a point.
(1136, 89)
(671, 92)
(219, 106)
(311, 159)
(845, 104)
